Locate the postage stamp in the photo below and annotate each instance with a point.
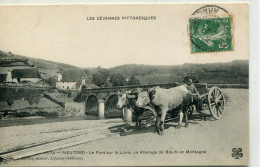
(210, 30)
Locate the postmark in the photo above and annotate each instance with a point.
(210, 30)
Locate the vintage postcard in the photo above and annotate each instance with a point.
(124, 84)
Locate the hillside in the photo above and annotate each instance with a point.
(46, 68)
(40, 62)
(236, 71)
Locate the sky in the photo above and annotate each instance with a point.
(64, 34)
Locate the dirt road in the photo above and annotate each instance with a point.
(203, 142)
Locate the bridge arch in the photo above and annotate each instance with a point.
(91, 105)
(111, 109)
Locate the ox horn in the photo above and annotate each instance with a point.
(139, 90)
(127, 91)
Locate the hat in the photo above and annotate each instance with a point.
(189, 77)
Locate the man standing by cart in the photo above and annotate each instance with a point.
(195, 97)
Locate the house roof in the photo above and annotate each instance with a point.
(91, 86)
(4, 70)
(25, 73)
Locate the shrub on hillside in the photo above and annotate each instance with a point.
(51, 81)
(37, 100)
(30, 99)
(10, 102)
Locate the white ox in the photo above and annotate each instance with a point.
(165, 100)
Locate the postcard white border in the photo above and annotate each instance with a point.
(254, 51)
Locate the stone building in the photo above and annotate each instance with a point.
(66, 85)
(20, 75)
(70, 79)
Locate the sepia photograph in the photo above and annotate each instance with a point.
(124, 84)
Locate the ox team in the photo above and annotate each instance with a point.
(159, 101)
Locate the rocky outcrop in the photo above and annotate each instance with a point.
(74, 109)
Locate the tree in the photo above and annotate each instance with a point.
(51, 81)
(69, 93)
(103, 71)
(37, 100)
(99, 79)
(87, 71)
(118, 79)
(107, 84)
(133, 81)
(10, 102)
(83, 87)
(30, 99)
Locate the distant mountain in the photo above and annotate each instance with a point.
(236, 71)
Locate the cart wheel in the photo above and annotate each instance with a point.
(216, 102)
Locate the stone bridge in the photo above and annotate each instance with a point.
(102, 102)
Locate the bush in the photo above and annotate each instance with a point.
(83, 87)
(25, 81)
(37, 100)
(10, 102)
(118, 79)
(51, 81)
(30, 99)
(69, 93)
(133, 81)
(18, 93)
